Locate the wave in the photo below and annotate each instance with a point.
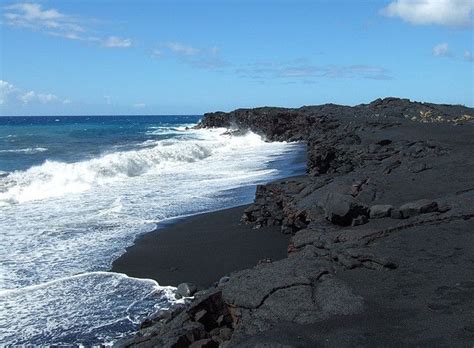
(88, 308)
(28, 150)
(166, 129)
(55, 179)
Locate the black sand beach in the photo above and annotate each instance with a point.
(200, 249)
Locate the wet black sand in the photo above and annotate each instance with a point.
(200, 249)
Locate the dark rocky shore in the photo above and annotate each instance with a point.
(382, 236)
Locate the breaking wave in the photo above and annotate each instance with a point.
(55, 179)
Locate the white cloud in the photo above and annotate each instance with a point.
(468, 56)
(6, 89)
(456, 13)
(139, 105)
(33, 97)
(50, 21)
(55, 23)
(31, 12)
(183, 49)
(46, 98)
(441, 50)
(27, 97)
(10, 94)
(117, 42)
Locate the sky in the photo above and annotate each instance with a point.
(140, 57)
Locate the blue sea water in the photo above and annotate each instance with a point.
(28, 141)
(76, 191)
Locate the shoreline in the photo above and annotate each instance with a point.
(149, 257)
(177, 250)
(377, 235)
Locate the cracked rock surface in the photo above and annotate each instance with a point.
(382, 235)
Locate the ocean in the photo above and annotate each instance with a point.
(76, 191)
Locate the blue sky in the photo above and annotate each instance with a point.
(189, 57)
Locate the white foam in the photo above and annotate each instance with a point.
(92, 306)
(28, 150)
(55, 179)
(166, 130)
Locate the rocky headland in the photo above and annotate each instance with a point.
(382, 235)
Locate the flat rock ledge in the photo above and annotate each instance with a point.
(382, 239)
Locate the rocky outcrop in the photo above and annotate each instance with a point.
(206, 322)
(381, 242)
(276, 124)
(299, 124)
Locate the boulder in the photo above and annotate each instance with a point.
(380, 211)
(341, 209)
(421, 206)
(185, 290)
